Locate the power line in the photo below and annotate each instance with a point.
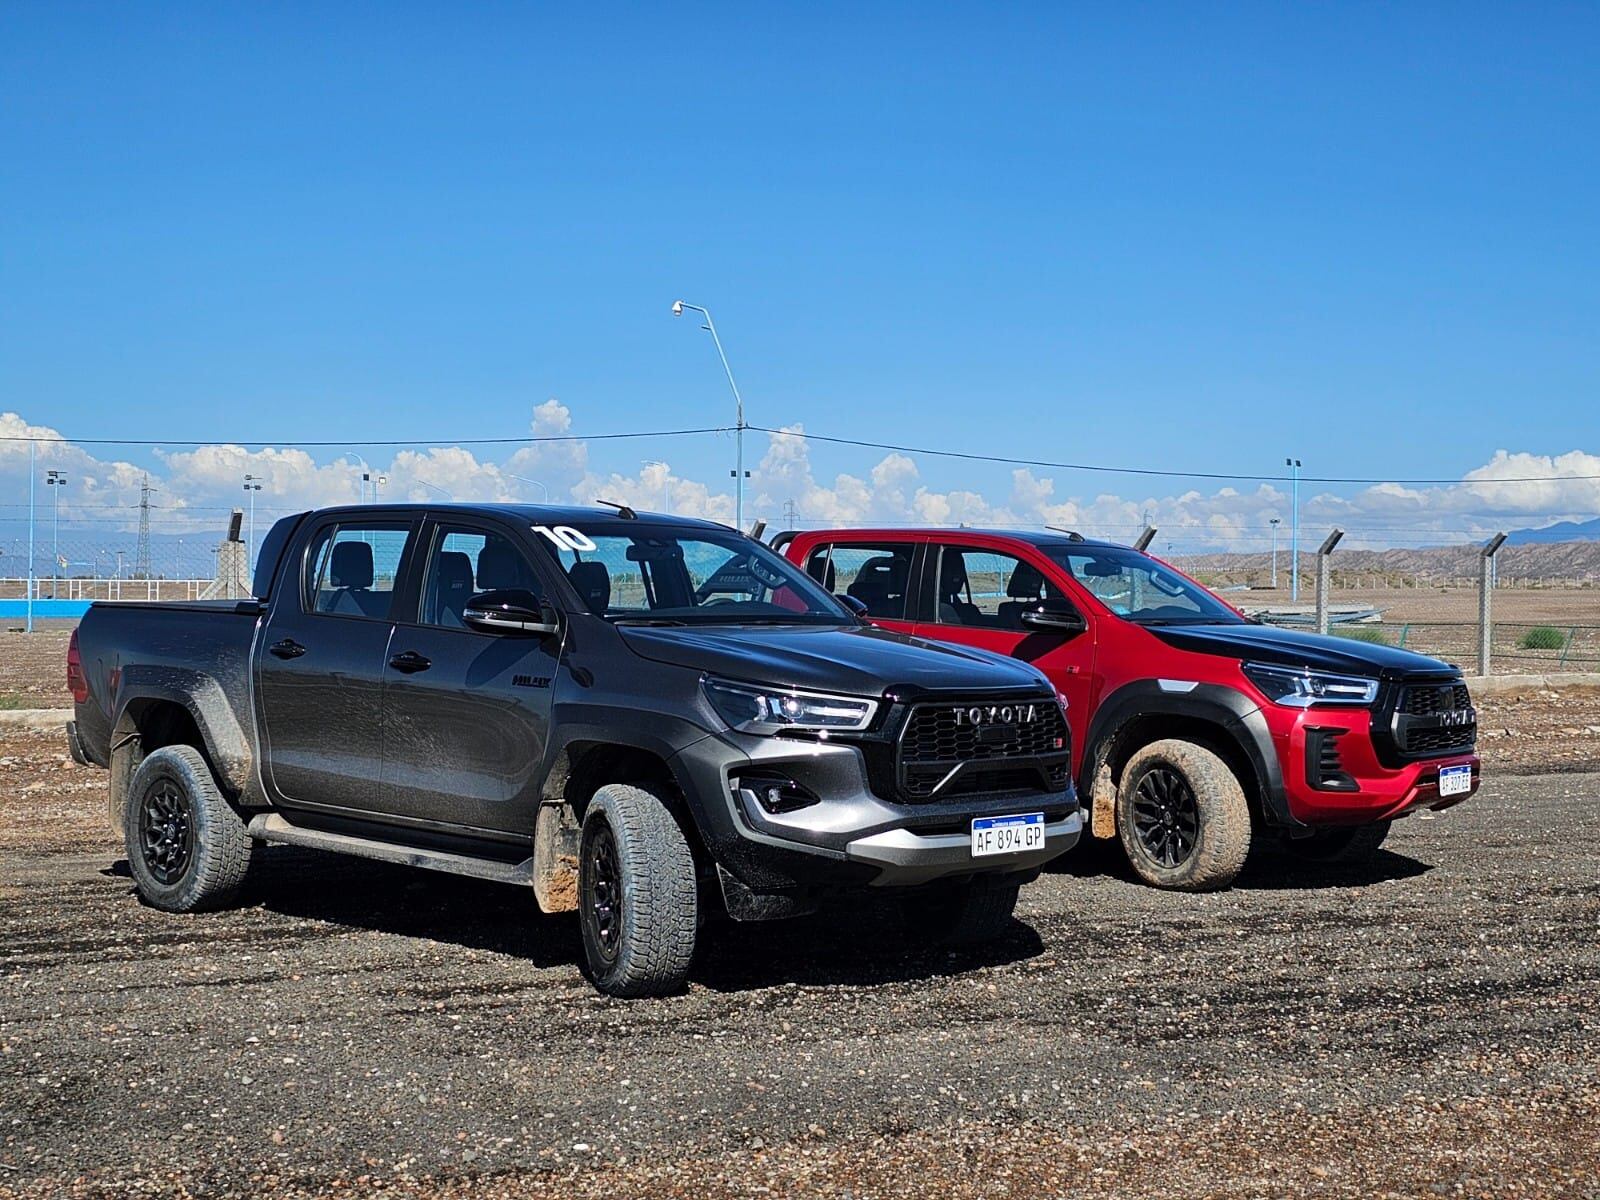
(1157, 471)
(350, 443)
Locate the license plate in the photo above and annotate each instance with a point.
(1455, 781)
(1007, 835)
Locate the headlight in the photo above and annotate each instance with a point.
(1302, 689)
(751, 709)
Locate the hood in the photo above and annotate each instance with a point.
(1290, 647)
(857, 660)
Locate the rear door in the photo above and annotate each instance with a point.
(882, 574)
(467, 713)
(320, 664)
(975, 595)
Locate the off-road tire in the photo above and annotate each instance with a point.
(639, 915)
(1352, 844)
(1220, 841)
(968, 913)
(200, 862)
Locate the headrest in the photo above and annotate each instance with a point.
(351, 566)
(499, 566)
(593, 583)
(821, 569)
(952, 575)
(1026, 582)
(455, 572)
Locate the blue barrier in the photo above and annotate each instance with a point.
(43, 610)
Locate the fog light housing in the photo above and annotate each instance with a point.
(776, 794)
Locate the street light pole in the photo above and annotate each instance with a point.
(32, 455)
(55, 480)
(1294, 533)
(252, 484)
(738, 431)
(536, 483)
(1274, 522)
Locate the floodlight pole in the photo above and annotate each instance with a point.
(32, 454)
(1294, 533)
(738, 431)
(1323, 551)
(1485, 591)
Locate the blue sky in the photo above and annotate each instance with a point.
(1168, 236)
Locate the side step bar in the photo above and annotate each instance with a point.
(271, 827)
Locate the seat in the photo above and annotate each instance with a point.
(821, 569)
(880, 584)
(350, 577)
(1025, 588)
(592, 581)
(500, 567)
(450, 590)
(954, 608)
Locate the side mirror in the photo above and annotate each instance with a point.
(854, 605)
(511, 610)
(1054, 616)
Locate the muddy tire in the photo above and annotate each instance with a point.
(1182, 817)
(969, 913)
(1354, 844)
(638, 897)
(187, 848)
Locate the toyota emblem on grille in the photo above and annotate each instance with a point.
(997, 714)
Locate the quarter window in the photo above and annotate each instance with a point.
(878, 575)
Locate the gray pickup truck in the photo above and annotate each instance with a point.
(637, 716)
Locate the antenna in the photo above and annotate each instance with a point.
(623, 511)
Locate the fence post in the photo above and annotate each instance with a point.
(1485, 590)
(1323, 551)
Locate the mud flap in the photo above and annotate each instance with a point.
(555, 859)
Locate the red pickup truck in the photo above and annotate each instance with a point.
(1196, 732)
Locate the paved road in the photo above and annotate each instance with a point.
(1428, 1022)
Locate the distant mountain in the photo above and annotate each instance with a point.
(1557, 562)
(1564, 531)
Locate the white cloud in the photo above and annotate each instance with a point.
(197, 487)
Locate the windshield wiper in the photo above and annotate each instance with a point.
(648, 621)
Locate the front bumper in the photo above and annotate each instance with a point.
(850, 837)
(1380, 792)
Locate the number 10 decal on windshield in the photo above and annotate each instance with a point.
(565, 537)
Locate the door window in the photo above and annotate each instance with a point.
(985, 589)
(878, 575)
(466, 562)
(352, 569)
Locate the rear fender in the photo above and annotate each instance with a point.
(226, 745)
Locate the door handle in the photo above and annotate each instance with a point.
(288, 648)
(410, 662)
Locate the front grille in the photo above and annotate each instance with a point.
(1435, 718)
(1429, 699)
(1440, 741)
(949, 750)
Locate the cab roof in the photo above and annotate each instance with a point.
(1042, 538)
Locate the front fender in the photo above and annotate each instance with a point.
(1231, 713)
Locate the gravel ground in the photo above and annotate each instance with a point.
(1424, 1026)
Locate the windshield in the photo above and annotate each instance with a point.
(662, 575)
(1140, 589)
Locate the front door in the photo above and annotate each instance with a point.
(978, 597)
(320, 667)
(467, 717)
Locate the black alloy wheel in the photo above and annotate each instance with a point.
(604, 890)
(166, 832)
(1166, 818)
